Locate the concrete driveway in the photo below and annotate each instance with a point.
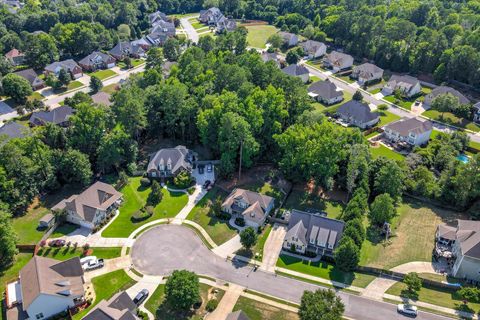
(200, 178)
(192, 34)
(272, 248)
(163, 249)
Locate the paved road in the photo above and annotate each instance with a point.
(189, 30)
(165, 248)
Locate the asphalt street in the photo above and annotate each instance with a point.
(166, 248)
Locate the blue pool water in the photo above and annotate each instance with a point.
(463, 158)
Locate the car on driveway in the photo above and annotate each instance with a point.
(209, 167)
(201, 169)
(140, 297)
(56, 243)
(407, 309)
(93, 265)
(206, 184)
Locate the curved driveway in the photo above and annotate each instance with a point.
(165, 248)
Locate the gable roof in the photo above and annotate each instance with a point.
(468, 237)
(30, 75)
(14, 53)
(97, 57)
(56, 116)
(126, 48)
(286, 36)
(178, 157)
(404, 81)
(357, 110)
(99, 196)
(5, 108)
(311, 46)
(325, 89)
(118, 307)
(13, 130)
(295, 70)
(157, 15)
(405, 126)
(258, 203)
(444, 90)
(338, 58)
(68, 65)
(52, 277)
(367, 70)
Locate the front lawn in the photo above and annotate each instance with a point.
(74, 85)
(137, 62)
(63, 230)
(256, 310)
(406, 104)
(375, 90)
(106, 286)
(135, 197)
(219, 230)
(66, 253)
(324, 270)
(258, 35)
(303, 199)
(386, 117)
(382, 151)
(198, 25)
(258, 247)
(451, 119)
(36, 96)
(412, 239)
(347, 96)
(111, 88)
(103, 74)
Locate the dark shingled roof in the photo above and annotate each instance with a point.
(29, 74)
(358, 110)
(119, 307)
(444, 90)
(13, 130)
(237, 315)
(55, 116)
(406, 125)
(295, 70)
(325, 89)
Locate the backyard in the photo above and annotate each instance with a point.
(219, 230)
(381, 151)
(451, 119)
(256, 310)
(412, 239)
(258, 35)
(134, 198)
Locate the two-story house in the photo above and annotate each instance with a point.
(367, 73)
(313, 49)
(337, 61)
(407, 85)
(358, 114)
(297, 70)
(91, 207)
(289, 39)
(68, 65)
(325, 92)
(313, 233)
(168, 162)
(253, 207)
(410, 130)
(97, 60)
(118, 307)
(210, 16)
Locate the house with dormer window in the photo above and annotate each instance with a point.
(169, 162)
(253, 207)
(410, 130)
(314, 233)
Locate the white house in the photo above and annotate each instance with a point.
(476, 112)
(313, 49)
(410, 130)
(92, 206)
(289, 39)
(299, 71)
(367, 73)
(407, 85)
(338, 61)
(253, 207)
(325, 92)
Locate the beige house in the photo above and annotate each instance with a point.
(118, 307)
(253, 207)
(367, 73)
(338, 61)
(92, 206)
(407, 85)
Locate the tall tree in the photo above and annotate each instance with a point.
(8, 239)
(16, 87)
(382, 210)
(322, 304)
(182, 289)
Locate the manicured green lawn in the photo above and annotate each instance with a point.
(314, 79)
(382, 151)
(324, 270)
(347, 96)
(35, 96)
(402, 103)
(258, 35)
(74, 85)
(413, 233)
(256, 310)
(198, 25)
(66, 253)
(10, 274)
(63, 230)
(386, 117)
(346, 79)
(106, 286)
(137, 62)
(450, 118)
(103, 74)
(302, 200)
(135, 197)
(111, 88)
(262, 238)
(219, 230)
(440, 297)
(374, 91)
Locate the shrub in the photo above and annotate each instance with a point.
(142, 315)
(470, 294)
(211, 305)
(183, 180)
(142, 214)
(131, 168)
(156, 195)
(382, 107)
(145, 182)
(240, 222)
(86, 246)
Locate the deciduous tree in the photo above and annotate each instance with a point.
(182, 289)
(322, 304)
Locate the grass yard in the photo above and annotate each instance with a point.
(258, 35)
(382, 151)
(451, 119)
(63, 230)
(219, 230)
(413, 233)
(314, 79)
(135, 197)
(386, 117)
(256, 310)
(346, 79)
(258, 247)
(324, 270)
(103, 74)
(316, 64)
(436, 296)
(36, 96)
(198, 25)
(347, 96)
(111, 88)
(106, 286)
(375, 90)
(402, 103)
(137, 62)
(74, 85)
(66, 253)
(155, 304)
(303, 200)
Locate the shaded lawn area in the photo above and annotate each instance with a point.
(441, 297)
(10, 274)
(451, 119)
(64, 229)
(324, 270)
(66, 253)
(346, 79)
(111, 88)
(413, 233)
(386, 117)
(36, 96)
(106, 286)
(256, 310)
(406, 104)
(219, 230)
(103, 74)
(156, 304)
(382, 151)
(303, 200)
(135, 197)
(372, 134)
(317, 64)
(198, 25)
(258, 247)
(257, 35)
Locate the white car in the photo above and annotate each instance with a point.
(88, 259)
(93, 264)
(407, 309)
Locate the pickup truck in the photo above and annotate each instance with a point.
(93, 264)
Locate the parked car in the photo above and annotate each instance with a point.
(407, 309)
(87, 259)
(201, 169)
(93, 265)
(206, 184)
(140, 297)
(56, 243)
(209, 167)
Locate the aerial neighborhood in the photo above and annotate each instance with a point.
(239, 160)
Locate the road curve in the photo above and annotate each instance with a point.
(165, 248)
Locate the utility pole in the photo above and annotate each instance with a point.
(240, 164)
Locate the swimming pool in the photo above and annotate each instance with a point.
(463, 158)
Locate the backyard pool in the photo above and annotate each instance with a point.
(463, 158)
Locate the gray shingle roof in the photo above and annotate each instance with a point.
(286, 36)
(311, 46)
(338, 58)
(13, 130)
(56, 116)
(357, 110)
(119, 307)
(406, 125)
(30, 75)
(325, 89)
(5, 108)
(468, 236)
(444, 90)
(258, 203)
(367, 70)
(237, 315)
(97, 57)
(405, 81)
(295, 70)
(68, 65)
(178, 157)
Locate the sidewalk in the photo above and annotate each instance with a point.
(229, 247)
(227, 303)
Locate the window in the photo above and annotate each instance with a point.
(39, 315)
(169, 166)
